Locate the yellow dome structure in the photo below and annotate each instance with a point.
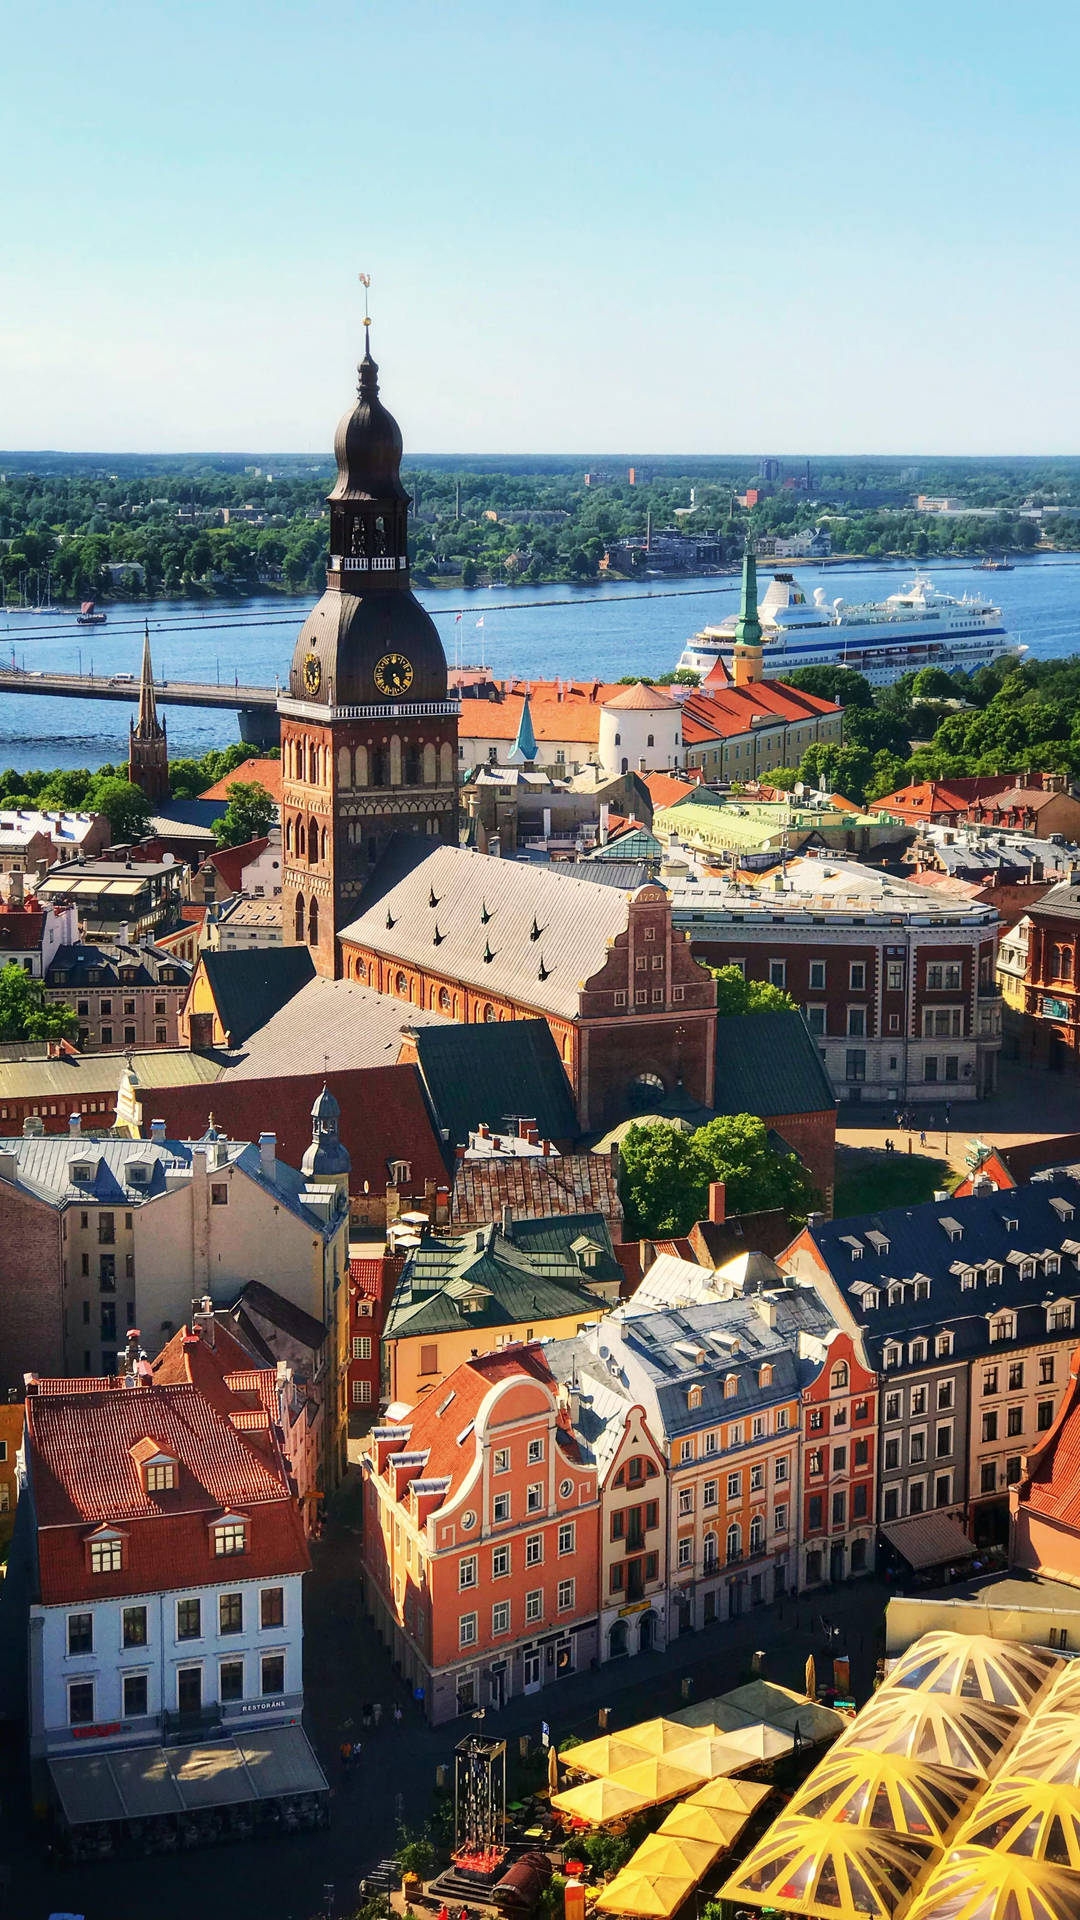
(941, 1730)
(887, 1792)
(1000, 1672)
(829, 1872)
(1037, 1820)
(1049, 1750)
(973, 1884)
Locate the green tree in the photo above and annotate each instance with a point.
(468, 573)
(736, 994)
(250, 813)
(25, 1014)
(664, 1174)
(848, 689)
(125, 807)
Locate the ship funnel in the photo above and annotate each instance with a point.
(837, 604)
(819, 596)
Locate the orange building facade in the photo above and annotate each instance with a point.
(839, 1465)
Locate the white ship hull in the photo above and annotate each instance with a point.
(916, 628)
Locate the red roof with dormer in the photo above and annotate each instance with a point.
(1052, 1487)
(84, 1477)
(435, 1426)
(723, 711)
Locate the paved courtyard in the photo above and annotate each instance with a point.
(283, 1878)
(1030, 1103)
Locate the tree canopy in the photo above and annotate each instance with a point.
(251, 812)
(25, 1014)
(665, 1174)
(736, 994)
(126, 807)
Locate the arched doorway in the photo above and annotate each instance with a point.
(647, 1632)
(617, 1639)
(646, 1090)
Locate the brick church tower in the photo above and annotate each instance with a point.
(368, 731)
(148, 746)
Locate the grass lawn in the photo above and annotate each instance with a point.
(867, 1180)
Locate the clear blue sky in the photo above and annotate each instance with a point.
(701, 228)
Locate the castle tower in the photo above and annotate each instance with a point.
(148, 748)
(747, 651)
(368, 729)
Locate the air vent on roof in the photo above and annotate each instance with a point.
(464, 1434)
(440, 1410)
(484, 914)
(544, 972)
(488, 954)
(536, 930)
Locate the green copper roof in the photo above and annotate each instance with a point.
(748, 626)
(524, 747)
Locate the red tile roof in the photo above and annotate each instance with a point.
(266, 772)
(574, 716)
(534, 1188)
(231, 861)
(725, 711)
(665, 789)
(1053, 1489)
(83, 1477)
(641, 698)
(437, 1434)
(366, 1276)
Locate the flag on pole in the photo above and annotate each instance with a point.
(480, 622)
(457, 619)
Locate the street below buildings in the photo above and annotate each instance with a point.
(1029, 1104)
(283, 1878)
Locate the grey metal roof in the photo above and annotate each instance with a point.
(354, 1025)
(1063, 902)
(501, 925)
(532, 1273)
(768, 1063)
(46, 1168)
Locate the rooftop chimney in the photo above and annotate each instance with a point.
(717, 1202)
(507, 1222)
(74, 1122)
(157, 1132)
(268, 1155)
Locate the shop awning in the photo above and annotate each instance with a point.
(138, 1783)
(662, 1736)
(929, 1540)
(605, 1755)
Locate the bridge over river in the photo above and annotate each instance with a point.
(256, 706)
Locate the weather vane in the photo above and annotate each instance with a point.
(365, 282)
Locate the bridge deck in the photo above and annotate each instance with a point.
(170, 693)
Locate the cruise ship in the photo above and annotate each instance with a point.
(881, 639)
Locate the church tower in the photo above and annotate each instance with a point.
(368, 729)
(148, 748)
(746, 660)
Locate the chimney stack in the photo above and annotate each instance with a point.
(507, 1222)
(157, 1132)
(268, 1155)
(74, 1123)
(717, 1202)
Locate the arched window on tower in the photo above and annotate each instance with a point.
(313, 765)
(301, 840)
(412, 765)
(312, 842)
(444, 1000)
(431, 765)
(325, 844)
(401, 986)
(446, 763)
(395, 760)
(300, 917)
(313, 924)
(288, 836)
(344, 767)
(361, 766)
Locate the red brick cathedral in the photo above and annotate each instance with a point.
(368, 733)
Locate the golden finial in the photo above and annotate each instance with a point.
(365, 282)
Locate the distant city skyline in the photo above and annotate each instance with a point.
(588, 226)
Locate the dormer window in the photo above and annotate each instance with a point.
(1002, 1327)
(839, 1377)
(1052, 1263)
(230, 1534)
(731, 1386)
(891, 1355)
(765, 1376)
(161, 1476)
(917, 1352)
(943, 1345)
(1059, 1316)
(922, 1289)
(106, 1551)
(693, 1398)
(967, 1280)
(993, 1275)
(896, 1296)
(156, 1466)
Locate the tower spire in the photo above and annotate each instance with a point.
(148, 749)
(747, 649)
(147, 703)
(524, 749)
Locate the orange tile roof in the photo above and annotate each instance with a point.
(665, 789)
(726, 711)
(1054, 1486)
(436, 1435)
(84, 1477)
(574, 716)
(231, 861)
(266, 772)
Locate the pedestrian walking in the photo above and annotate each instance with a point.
(376, 1712)
(365, 1714)
(397, 1713)
(922, 1136)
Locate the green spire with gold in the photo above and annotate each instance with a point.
(748, 626)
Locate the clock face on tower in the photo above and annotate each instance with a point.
(312, 673)
(393, 675)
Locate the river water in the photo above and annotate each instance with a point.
(601, 633)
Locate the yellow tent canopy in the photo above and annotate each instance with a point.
(1048, 1750)
(662, 1736)
(760, 1742)
(655, 1780)
(653, 1895)
(885, 1791)
(938, 1729)
(1001, 1672)
(599, 1801)
(816, 1868)
(974, 1884)
(1038, 1821)
(732, 1796)
(711, 1759)
(606, 1755)
(662, 1853)
(687, 1822)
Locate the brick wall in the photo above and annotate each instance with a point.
(31, 1324)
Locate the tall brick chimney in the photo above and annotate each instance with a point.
(717, 1202)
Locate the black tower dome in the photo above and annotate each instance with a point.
(369, 613)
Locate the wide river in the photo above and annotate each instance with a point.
(540, 632)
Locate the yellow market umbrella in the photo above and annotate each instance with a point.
(661, 1853)
(653, 1895)
(553, 1770)
(662, 1736)
(712, 1824)
(886, 1791)
(599, 1801)
(938, 1729)
(711, 1759)
(811, 1677)
(1038, 1821)
(1001, 1672)
(733, 1796)
(655, 1780)
(816, 1868)
(974, 1884)
(606, 1755)
(759, 1742)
